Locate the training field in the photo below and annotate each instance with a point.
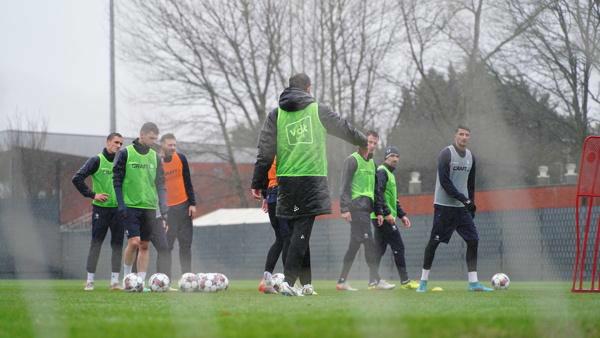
(63, 309)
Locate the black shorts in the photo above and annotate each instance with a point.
(360, 227)
(447, 219)
(139, 223)
(104, 219)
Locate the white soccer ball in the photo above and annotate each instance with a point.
(500, 281)
(222, 282)
(277, 279)
(208, 283)
(308, 289)
(188, 282)
(133, 283)
(159, 282)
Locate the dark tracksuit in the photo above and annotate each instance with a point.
(281, 229)
(360, 209)
(180, 223)
(156, 233)
(301, 198)
(388, 234)
(102, 218)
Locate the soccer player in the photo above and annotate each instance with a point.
(280, 227)
(181, 201)
(139, 186)
(387, 209)
(104, 209)
(454, 207)
(356, 206)
(296, 132)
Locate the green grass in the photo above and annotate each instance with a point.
(63, 309)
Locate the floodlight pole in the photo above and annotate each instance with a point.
(113, 103)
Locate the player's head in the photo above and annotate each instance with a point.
(392, 156)
(372, 141)
(462, 136)
(148, 133)
(114, 141)
(168, 144)
(300, 81)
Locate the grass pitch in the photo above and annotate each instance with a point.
(63, 309)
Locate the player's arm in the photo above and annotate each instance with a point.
(267, 148)
(401, 212)
(187, 180)
(89, 168)
(339, 127)
(119, 175)
(350, 166)
(159, 181)
(402, 215)
(471, 182)
(444, 176)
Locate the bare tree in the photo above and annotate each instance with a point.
(224, 62)
(469, 32)
(564, 57)
(351, 46)
(218, 56)
(24, 136)
(23, 132)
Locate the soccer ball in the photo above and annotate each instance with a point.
(133, 283)
(201, 275)
(159, 282)
(277, 279)
(222, 282)
(188, 282)
(208, 283)
(500, 281)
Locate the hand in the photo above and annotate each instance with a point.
(101, 197)
(379, 220)
(347, 216)
(256, 193)
(390, 219)
(470, 206)
(192, 210)
(165, 226)
(265, 206)
(406, 222)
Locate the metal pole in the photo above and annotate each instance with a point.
(113, 103)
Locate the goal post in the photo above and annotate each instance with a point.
(586, 275)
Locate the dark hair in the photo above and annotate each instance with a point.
(372, 133)
(167, 136)
(149, 127)
(461, 126)
(113, 135)
(300, 81)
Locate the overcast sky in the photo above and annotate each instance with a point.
(54, 65)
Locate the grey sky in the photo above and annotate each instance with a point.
(54, 64)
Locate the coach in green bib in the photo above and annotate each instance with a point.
(296, 132)
(387, 209)
(104, 209)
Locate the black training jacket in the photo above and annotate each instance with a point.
(305, 195)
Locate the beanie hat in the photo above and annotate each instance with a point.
(391, 150)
